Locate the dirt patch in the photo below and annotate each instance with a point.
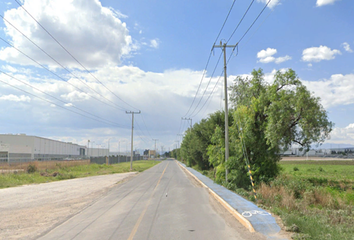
(28, 211)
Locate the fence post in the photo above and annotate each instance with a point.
(107, 161)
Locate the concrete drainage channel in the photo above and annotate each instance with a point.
(247, 213)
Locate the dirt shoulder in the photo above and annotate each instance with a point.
(28, 211)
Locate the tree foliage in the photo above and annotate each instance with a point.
(268, 119)
(196, 141)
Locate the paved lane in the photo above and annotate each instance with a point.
(160, 203)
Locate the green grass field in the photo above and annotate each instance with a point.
(316, 196)
(332, 170)
(63, 172)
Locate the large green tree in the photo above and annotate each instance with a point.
(268, 119)
(198, 138)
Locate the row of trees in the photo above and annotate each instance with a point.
(264, 120)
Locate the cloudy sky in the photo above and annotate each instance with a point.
(70, 69)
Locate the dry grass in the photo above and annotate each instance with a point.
(43, 165)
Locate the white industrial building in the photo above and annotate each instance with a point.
(20, 147)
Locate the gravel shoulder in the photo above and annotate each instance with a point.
(30, 210)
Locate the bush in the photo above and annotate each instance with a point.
(31, 168)
(296, 169)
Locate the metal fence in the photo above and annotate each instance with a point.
(114, 159)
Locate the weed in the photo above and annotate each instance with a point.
(31, 168)
(296, 169)
(60, 172)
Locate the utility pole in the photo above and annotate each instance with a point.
(131, 148)
(177, 143)
(118, 150)
(155, 146)
(189, 120)
(88, 148)
(224, 46)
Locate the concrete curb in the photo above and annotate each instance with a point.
(255, 219)
(227, 206)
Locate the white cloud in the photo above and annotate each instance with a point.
(343, 135)
(317, 54)
(267, 60)
(68, 105)
(15, 98)
(158, 94)
(266, 53)
(282, 59)
(266, 56)
(9, 68)
(335, 91)
(272, 3)
(154, 43)
(96, 36)
(309, 65)
(346, 47)
(320, 3)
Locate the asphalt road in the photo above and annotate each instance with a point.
(160, 203)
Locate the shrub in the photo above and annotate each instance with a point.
(31, 168)
(296, 169)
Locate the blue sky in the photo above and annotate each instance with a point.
(152, 54)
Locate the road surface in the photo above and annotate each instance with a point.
(160, 203)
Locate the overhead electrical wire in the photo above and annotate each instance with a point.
(240, 21)
(62, 79)
(59, 63)
(67, 109)
(211, 93)
(249, 28)
(142, 116)
(37, 89)
(236, 43)
(206, 88)
(71, 54)
(207, 64)
(221, 53)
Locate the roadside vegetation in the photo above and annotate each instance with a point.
(314, 199)
(60, 172)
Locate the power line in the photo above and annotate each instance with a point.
(211, 93)
(250, 27)
(240, 21)
(64, 80)
(142, 116)
(55, 103)
(206, 88)
(37, 89)
(207, 64)
(233, 3)
(58, 62)
(236, 46)
(71, 54)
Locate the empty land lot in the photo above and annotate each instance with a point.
(29, 210)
